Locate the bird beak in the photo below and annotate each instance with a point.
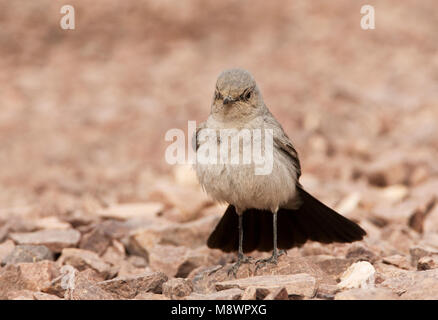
(227, 100)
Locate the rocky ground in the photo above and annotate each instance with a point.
(156, 250)
(89, 209)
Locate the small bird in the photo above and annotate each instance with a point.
(265, 211)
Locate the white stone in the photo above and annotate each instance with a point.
(358, 275)
(132, 210)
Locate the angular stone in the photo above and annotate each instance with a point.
(332, 265)
(190, 234)
(385, 214)
(129, 287)
(400, 237)
(5, 249)
(311, 248)
(359, 252)
(431, 222)
(426, 190)
(297, 284)
(348, 204)
(395, 193)
(16, 224)
(167, 258)
(150, 296)
(126, 269)
(188, 201)
(51, 222)
(427, 263)
(294, 265)
(228, 294)
(415, 285)
(38, 274)
(373, 231)
(85, 288)
(28, 253)
(177, 288)
(429, 240)
(254, 293)
(137, 261)
(83, 259)
(20, 295)
(250, 293)
(367, 294)
(383, 249)
(26, 276)
(386, 271)
(4, 230)
(358, 275)
(79, 218)
(388, 170)
(45, 296)
(397, 260)
(418, 252)
(216, 209)
(327, 291)
(278, 294)
(195, 258)
(55, 240)
(115, 253)
(115, 229)
(178, 261)
(96, 240)
(418, 217)
(132, 210)
(124, 266)
(204, 278)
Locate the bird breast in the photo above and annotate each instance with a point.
(239, 184)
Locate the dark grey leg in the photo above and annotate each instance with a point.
(275, 253)
(241, 258)
(240, 235)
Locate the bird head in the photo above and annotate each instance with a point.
(237, 97)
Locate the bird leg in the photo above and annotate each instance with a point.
(275, 253)
(241, 258)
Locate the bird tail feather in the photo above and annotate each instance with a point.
(313, 220)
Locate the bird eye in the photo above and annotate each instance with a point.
(246, 95)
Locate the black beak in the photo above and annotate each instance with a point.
(227, 100)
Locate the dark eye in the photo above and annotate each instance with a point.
(246, 95)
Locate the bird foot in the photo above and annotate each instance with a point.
(272, 259)
(241, 259)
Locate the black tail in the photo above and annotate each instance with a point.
(312, 221)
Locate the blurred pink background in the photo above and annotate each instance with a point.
(83, 112)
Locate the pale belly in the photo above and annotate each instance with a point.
(239, 185)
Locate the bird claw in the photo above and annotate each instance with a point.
(240, 260)
(272, 259)
(215, 269)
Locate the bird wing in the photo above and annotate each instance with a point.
(195, 143)
(285, 145)
(282, 141)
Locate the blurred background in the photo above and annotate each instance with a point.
(83, 112)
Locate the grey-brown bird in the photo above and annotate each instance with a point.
(266, 211)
